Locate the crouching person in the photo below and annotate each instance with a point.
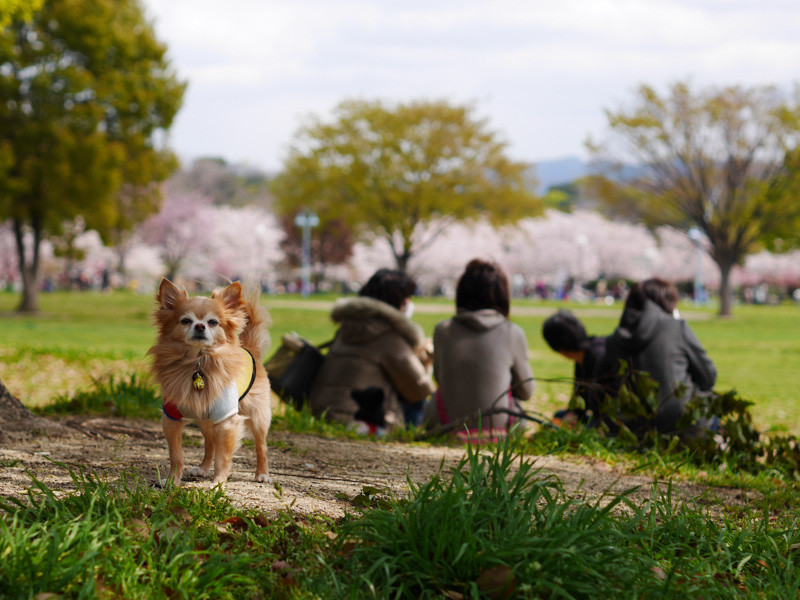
(565, 334)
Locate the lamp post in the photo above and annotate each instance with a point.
(697, 239)
(305, 220)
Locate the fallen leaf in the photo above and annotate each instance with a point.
(170, 532)
(498, 583)
(181, 512)
(138, 528)
(262, 521)
(237, 523)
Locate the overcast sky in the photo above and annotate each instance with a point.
(541, 71)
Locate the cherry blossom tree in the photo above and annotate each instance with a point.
(246, 245)
(183, 231)
(437, 268)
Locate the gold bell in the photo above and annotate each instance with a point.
(198, 382)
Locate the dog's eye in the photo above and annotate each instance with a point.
(213, 322)
(186, 321)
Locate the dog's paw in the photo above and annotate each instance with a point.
(198, 472)
(263, 478)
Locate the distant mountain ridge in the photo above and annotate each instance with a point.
(558, 171)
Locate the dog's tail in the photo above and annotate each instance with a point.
(255, 336)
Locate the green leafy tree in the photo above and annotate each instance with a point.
(86, 95)
(719, 159)
(403, 172)
(17, 9)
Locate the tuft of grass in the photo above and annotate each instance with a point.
(125, 540)
(134, 396)
(497, 522)
(288, 418)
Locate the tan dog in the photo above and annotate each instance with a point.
(207, 359)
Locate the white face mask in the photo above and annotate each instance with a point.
(408, 311)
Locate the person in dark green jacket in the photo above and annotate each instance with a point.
(652, 340)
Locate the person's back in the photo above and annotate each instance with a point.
(480, 358)
(668, 350)
(376, 347)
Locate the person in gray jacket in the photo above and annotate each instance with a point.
(652, 340)
(377, 349)
(480, 358)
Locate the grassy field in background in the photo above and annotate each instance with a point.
(79, 336)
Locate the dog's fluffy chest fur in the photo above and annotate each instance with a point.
(218, 370)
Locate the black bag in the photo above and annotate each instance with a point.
(293, 368)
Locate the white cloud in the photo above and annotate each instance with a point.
(542, 71)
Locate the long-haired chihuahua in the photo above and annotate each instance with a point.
(207, 360)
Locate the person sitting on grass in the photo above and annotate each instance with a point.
(565, 334)
(374, 365)
(480, 358)
(651, 340)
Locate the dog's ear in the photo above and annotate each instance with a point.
(231, 296)
(170, 294)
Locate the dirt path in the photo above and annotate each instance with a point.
(312, 474)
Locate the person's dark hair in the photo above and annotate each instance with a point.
(391, 286)
(483, 285)
(663, 293)
(564, 332)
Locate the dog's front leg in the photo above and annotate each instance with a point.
(173, 431)
(226, 439)
(207, 428)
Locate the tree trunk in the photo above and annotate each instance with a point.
(122, 262)
(401, 256)
(29, 272)
(725, 294)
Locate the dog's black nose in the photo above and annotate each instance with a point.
(199, 327)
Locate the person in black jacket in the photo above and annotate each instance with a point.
(652, 340)
(565, 334)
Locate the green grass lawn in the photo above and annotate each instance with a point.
(78, 336)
